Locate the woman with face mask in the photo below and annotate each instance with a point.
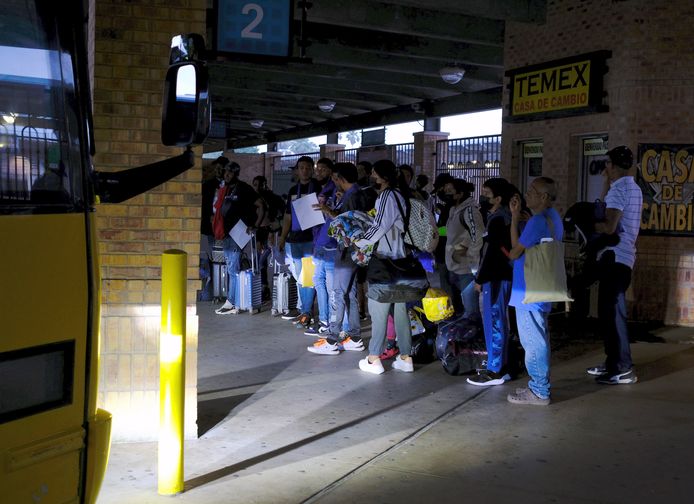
(387, 232)
(465, 229)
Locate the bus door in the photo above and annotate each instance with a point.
(45, 261)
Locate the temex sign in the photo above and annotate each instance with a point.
(560, 88)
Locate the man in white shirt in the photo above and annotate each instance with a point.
(623, 200)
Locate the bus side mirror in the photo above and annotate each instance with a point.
(186, 113)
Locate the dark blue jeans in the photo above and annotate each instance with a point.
(614, 279)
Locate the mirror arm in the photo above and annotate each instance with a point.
(116, 187)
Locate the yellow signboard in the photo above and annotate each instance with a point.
(563, 87)
(666, 177)
(556, 88)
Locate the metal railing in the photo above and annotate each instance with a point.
(404, 154)
(24, 160)
(346, 156)
(474, 159)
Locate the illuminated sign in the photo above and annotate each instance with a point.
(558, 88)
(666, 177)
(255, 28)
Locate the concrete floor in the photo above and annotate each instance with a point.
(282, 425)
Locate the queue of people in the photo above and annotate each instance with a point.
(480, 256)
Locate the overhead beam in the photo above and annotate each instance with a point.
(456, 105)
(384, 44)
(410, 20)
(526, 11)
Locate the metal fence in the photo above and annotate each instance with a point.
(399, 153)
(474, 159)
(346, 156)
(404, 154)
(24, 160)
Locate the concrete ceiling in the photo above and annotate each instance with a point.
(379, 61)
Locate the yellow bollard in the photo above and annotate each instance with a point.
(172, 365)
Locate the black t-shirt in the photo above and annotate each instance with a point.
(296, 235)
(239, 203)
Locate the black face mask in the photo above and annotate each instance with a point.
(447, 198)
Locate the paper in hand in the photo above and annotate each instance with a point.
(307, 215)
(239, 235)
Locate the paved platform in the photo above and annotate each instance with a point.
(281, 425)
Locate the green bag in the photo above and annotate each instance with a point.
(545, 272)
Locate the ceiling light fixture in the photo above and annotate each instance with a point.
(326, 105)
(9, 118)
(257, 123)
(452, 74)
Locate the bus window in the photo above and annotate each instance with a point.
(39, 161)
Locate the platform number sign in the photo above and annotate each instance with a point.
(254, 27)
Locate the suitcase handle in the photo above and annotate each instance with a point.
(254, 252)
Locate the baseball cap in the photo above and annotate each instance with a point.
(621, 156)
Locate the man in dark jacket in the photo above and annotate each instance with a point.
(235, 201)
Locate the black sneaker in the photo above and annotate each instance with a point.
(618, 379)
(488, 378)
(291, 315)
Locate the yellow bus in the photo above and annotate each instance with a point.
(54, 440)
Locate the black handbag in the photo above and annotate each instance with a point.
(383, 270)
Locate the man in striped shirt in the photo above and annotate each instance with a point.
(623, 200)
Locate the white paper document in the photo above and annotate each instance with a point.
(239, 235)
(307, 215)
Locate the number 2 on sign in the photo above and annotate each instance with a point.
(248, 32)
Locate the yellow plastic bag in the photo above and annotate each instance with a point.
(307, 271)
(437, 305)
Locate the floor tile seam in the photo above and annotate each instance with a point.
(380, 456)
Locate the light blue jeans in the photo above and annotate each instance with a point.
(297, 251)
(324, 261)
(339, 311)
(232, 255)
(466, 286)
(495, 296)
(534, 336)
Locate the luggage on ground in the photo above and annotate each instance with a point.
(460, 345)
(284, 293)
(220, 281)
(249, 289)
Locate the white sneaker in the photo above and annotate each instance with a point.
(226, 309)
(323, 347)
(403, 365)
(354, 346)
(371, 367)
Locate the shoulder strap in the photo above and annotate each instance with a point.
(550, 225)
(405, 216)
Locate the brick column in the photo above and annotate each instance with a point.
(131, 49)
(425, 152)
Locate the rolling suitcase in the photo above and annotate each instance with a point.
(220, 281)
(249, 289)
(284, 292)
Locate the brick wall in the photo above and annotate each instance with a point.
(650, 97)
(131, 47)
